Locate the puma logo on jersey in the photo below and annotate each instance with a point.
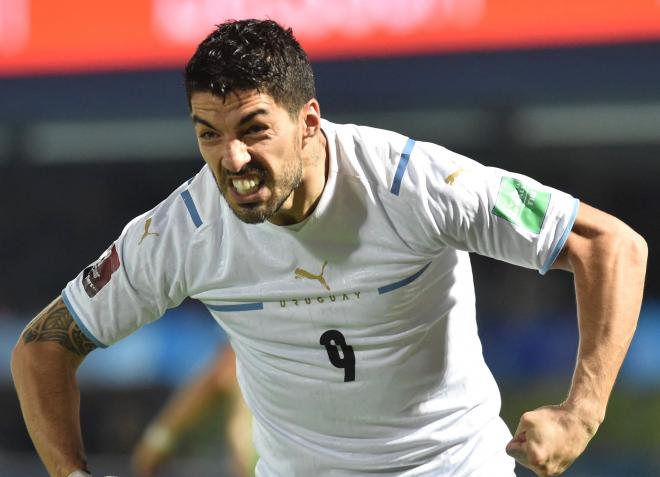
(300, 273)
(451, 178)
(147, 225)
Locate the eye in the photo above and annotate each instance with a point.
(255, 128)
(207, 135)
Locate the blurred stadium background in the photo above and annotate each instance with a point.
(94, 130)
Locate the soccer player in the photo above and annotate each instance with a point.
(336, 258)
(187, 407)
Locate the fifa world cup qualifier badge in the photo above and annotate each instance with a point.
(521, 205)
(97, 275)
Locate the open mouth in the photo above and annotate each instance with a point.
(246, 186)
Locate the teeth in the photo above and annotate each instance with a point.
(245, 186)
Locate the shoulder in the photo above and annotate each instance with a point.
(198, 199)
(366, 153)
(364, 144)
(178, 218)
(390, 160)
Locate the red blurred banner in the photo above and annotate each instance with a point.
(39, 36)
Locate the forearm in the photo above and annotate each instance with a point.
(44, 364)
(50, 402)
(609, 282)
(608, 260)
(183, 411)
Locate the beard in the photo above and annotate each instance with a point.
(281, 189)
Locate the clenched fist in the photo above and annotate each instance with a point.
(549, 439)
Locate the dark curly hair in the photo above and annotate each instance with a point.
(252, 55)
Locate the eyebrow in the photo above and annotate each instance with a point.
(250, 116)
(196, 119)
(245, 119)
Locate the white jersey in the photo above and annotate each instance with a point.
(355, 331)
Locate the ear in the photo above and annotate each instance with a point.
(310, 116)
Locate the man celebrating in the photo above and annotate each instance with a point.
(336, 257)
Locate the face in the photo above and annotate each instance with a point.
(254, 148)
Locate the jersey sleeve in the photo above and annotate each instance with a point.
(486, 210)
(137, 278)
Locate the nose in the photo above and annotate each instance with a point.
(235, 156)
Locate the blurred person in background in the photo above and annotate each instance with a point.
(187, 408)
(336, 257)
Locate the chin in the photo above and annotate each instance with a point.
(254, 215)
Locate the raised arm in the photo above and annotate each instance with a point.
(608, 261)
(44, 364)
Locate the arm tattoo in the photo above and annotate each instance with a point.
(55, 323)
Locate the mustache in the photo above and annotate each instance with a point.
(248, 169)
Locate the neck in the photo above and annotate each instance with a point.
(303, 201)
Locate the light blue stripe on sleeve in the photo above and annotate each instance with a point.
(80, 324)
(555, 253)
(192, 209)
(401, 168)
(239, 307)
(402, 283)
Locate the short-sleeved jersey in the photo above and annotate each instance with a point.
(355, 331)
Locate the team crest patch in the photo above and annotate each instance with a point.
(521, 205)
(97, 275)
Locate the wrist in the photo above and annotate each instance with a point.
(82, 473)
(587, 412)
(79, 473)
(159, 438)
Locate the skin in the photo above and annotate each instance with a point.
(44, 364)
(608, 262)
(187, 408)
(248, 135)
(246, 131)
